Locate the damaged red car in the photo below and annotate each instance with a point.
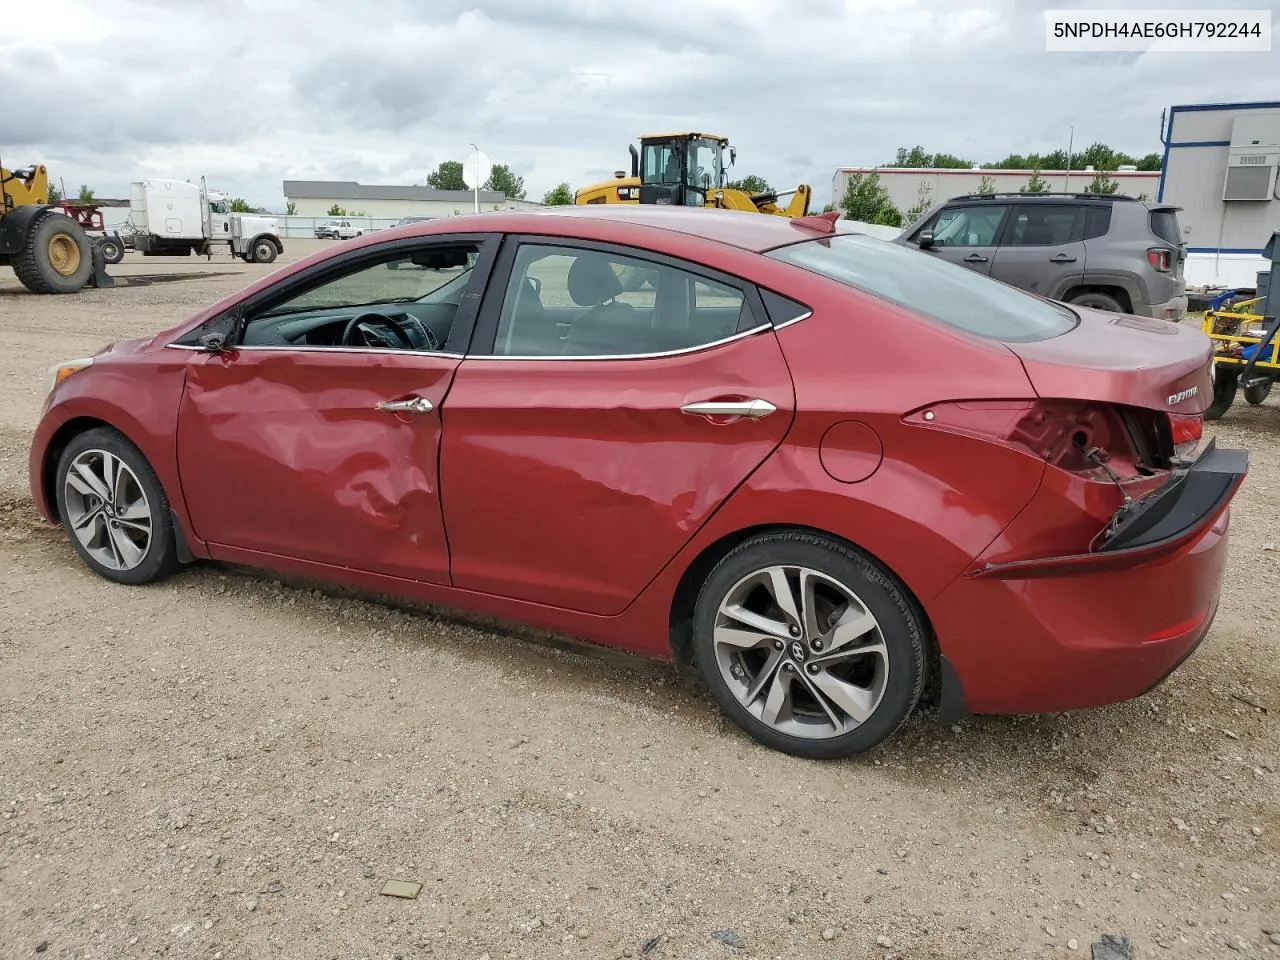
(841, 477)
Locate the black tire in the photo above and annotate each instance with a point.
(34, 264)
(160, 558)
(262, 251)
(112, 249)
(1256, 393)
(1226, 381)
(880, 593)
(1098, 301)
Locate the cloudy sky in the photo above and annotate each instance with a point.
(253, 92)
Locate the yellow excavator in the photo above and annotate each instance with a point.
(688, 170)
(48, 251)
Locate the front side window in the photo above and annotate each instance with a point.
(405, 302)
(571, 302)
(968, 226)
(704, 164)
(935, 288)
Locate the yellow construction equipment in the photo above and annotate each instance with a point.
(688, 170)
(48, 250)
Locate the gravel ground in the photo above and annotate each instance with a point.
(225, 765)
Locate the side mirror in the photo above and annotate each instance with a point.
(214, 342)
(925, 241)
(733, 156)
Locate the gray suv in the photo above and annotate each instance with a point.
(1104, 251)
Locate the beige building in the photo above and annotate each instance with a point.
(315, 198)
(908, 185)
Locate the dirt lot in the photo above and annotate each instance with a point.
(225, 766)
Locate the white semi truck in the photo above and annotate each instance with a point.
(175, 218)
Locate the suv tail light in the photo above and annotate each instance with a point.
(1161, 258)
(1075, 436)
(1187, 430)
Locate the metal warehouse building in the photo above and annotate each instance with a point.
(1220, 162)
(907, 185)
(314, 198)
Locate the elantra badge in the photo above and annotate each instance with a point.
(1181, 395)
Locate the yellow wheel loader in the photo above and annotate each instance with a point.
(48, 251)
(688, 170)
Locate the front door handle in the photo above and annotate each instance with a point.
(754, 409)
(1062, 258)
(975, 258)
(412, 405)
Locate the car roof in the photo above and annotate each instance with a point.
(748, 231)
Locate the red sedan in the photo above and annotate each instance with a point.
(837, 474)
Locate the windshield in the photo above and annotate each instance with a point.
(704, 162)
(943, 291)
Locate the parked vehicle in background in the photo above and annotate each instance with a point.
(175, 218)
(1107, 252)
(750, 462)
(337, 230)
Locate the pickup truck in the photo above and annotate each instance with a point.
(337, 230)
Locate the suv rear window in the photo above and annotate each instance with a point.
(1164, 224)
(943, 291)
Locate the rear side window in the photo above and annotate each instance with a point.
(1097, 220)
(942, 291)
(1164, 224)
(1043, 224)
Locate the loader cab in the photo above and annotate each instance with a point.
(680, 169)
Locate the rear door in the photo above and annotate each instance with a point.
(1042, 247)
(966, 234)
(610, 404)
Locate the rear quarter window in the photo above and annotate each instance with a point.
(1165, 225)
(930, 286)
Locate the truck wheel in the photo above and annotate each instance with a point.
(1256, 393)
(55, 256)
(112, 249)
(264, 251)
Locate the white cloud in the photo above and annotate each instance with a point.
(251, 93)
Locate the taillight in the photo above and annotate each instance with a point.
(1187, 430)
(1072, 435)
(1160, 258)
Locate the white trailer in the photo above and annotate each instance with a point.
(175, 218)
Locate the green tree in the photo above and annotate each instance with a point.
(986, 185)
(918, 157)
(866, 199)
(503, 180)
(240, 205)
(290, 208)
(1036, 184)
(1152, 161)
(922, 205)
(1102, 182)
(336, 211)
(751, 184)
(447, 176)
(559, 197)
(55, 194)
(86, 195)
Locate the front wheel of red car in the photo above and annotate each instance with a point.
(808, 646)
(114, 509)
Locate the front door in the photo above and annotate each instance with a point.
(316, 436)
(1042, 248)
(605, 425)
(967, 234)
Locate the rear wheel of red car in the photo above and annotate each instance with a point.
(114, 509)
(808, 646)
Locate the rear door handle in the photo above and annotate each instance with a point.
(730, 408)
(1062, 258)
(975, 258)
(412, 405)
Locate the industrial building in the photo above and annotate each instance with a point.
(1220, 163)
(315, 198)
(908, 185)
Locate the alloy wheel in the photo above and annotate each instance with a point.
(107, 510)
(801, 652)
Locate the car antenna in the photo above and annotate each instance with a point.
(822, 222)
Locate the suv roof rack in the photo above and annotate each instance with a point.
(1048, 193)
